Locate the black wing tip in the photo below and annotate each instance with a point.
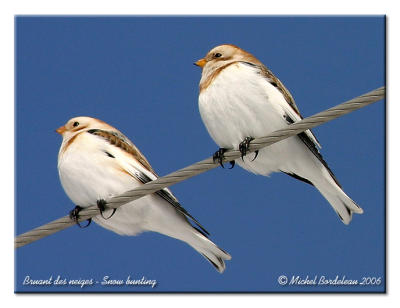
(163, 193)
(312, 147)
(109, 154)
(298, 177)
(92, 131)
(202, 230)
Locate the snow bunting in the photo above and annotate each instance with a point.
(96, 162)
(240, 99)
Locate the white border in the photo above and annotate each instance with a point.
(175, 7)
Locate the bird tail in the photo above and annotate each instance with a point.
(343, 205)
(215, 255)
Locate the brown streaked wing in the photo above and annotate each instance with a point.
(119, 140)
(279, 85)
(267, 74)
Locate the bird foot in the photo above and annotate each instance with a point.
(74, 215)
(244, 147)
(101, 204)
(219, 157)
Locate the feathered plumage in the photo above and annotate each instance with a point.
(96, 161)
(240, 97)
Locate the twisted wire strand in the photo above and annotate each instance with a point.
(203, 166)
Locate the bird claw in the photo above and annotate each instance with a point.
(219, 157)
(255, 156)
(244, 147)
(101, 204)
(74, 215)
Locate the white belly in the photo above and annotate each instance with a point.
(87, 178)
(240, 104)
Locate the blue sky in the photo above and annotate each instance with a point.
(137, 74)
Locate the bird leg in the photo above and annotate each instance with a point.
(101, 204)
(219, 157)
(244, 147)
(74, 215)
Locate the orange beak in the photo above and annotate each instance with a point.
(61, 130)
(201, 62)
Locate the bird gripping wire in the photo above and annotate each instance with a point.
(204, 165)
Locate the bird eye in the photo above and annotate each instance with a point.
(75, 124)
(217, 55)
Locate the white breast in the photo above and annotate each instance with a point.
(87, 174)
(240, 103)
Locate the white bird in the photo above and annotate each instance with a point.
(240, 99)
(96, 162)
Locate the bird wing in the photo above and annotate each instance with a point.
(313, 148)
(122, 142)
(139, 168)
(171, 199)
(290, 106)
(292, 115)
